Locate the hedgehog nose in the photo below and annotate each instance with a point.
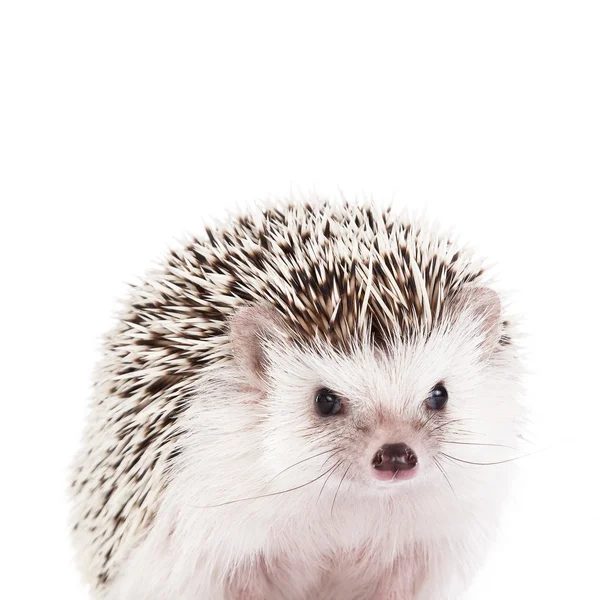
(394, 457)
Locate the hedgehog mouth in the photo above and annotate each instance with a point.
(397, 475)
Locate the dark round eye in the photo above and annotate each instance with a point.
(438, 397)
(327, 403)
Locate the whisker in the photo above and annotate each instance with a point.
(330, 457)
(486, 464)
(267, 495)
(433, 414)
(455, 433)
(443, 472)
(315, 434)
(338, 488)
(478, 444)
(298, 463)
(449, 423)
(337, 464)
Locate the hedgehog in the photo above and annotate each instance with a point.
(309, 400)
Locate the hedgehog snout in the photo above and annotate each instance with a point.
(394, 462)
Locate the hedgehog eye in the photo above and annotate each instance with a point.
(327, 403)
(438, 397)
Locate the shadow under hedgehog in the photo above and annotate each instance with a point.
(311, 401)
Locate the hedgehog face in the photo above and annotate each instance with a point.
(411, 412)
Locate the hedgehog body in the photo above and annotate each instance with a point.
(339, 282)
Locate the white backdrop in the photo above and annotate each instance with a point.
(125, 124)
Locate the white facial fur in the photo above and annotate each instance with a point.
(384, 401)
(384, 396)
(272, 500)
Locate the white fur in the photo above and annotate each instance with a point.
(420, 540)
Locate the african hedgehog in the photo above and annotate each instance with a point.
(307, 402)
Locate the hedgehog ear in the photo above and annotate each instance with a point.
(480, 306)
(249, 328)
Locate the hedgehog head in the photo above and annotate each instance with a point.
(389, 405)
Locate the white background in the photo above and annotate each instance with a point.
(125, 124)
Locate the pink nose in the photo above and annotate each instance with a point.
(393, 461)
